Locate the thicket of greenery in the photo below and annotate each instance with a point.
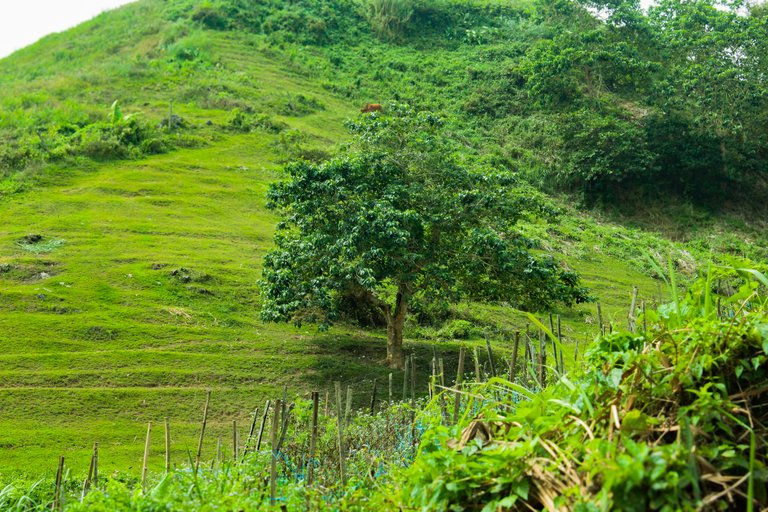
(400, 216)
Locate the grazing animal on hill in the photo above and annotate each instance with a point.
(372, 107)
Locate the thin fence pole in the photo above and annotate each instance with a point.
(348, 409)
(560, 339)
(340, 426)
(490, 354)
(413, 380)
(515, 349)
(631, 318)
(167, 445)
(273, 442)
(478, 371)
(390, 387)
(202, 431)
(234, 439)
(373, 398)
(56, 506)
(263, 422)
(249, 439)
(313, 439)
(145, 465)
(600, 319)
(459, 379)
(95, 464)
(405, 377)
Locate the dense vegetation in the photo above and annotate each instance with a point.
(136, 154)
(670, 417)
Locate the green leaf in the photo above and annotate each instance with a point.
(521, 488)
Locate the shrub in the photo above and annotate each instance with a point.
(388, 18)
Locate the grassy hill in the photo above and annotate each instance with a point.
(129, 264)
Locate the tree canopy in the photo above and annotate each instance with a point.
(402, 212)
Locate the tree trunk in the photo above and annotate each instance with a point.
(395, 325)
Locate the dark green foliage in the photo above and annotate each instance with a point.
(402, 214)
(672, 419)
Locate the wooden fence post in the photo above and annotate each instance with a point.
(490, 354)
(202, 432)
(405, 377)
(513, 364)
(263, 422)
(273, 462)
(167, 445)
(340, 426)
(56, 506)
(348, 409)
(600, 319)
(373, 398)
(457, 385)
(234, 440)
(631, 318)
(145, 466)
(313, 439)
(478, 371)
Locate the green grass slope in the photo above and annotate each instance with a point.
(142, 292)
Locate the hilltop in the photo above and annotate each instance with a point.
(132, 240)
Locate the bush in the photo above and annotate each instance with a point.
(388, 18)
(457, 330)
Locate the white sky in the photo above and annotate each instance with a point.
(22, 22)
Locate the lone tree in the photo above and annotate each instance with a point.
(401, 212)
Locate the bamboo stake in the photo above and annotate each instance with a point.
(405, 377)
(234, 439)
(490, 354)
(202, 432)
(167, 445)
(145, 466)
(413, 380)
(459, 378)
(373, 398)
(542, 360)
(340, 425)
(441, 368)
(87, 481)
(560, 338)
(478, 371)
(95, 459)
(390, 387)
(286, 418)
(263, 422)
(348, 409)
(433, 378)
(513, 365)
(631, 318)
(313, 439)
(249, 439)
(56, 506)
(273, 463)
(600, 319)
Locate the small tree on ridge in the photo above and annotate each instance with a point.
(399, 213)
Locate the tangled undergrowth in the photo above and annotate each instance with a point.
(669, 419)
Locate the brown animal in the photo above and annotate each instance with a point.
(372, 107)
